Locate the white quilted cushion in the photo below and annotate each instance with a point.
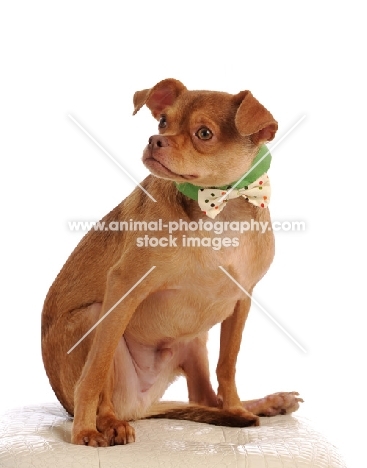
(39, 436)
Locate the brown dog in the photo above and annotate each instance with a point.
(154, 329)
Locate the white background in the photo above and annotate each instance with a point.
(87, 59)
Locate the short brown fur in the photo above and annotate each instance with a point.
(121, 369)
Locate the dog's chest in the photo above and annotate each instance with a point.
(205, 284)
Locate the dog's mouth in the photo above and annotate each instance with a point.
(160, 170)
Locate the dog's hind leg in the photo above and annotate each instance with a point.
(272, 405)
(196, 368)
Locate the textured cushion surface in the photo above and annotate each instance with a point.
(39, 436)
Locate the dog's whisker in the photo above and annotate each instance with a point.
(111, 157)
(265, 311)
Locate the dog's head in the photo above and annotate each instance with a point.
(206, 138)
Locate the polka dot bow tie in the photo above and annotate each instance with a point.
(212, 201)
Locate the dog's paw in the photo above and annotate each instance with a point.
(89, 438)
(282, 403)
(275, 404)
(116, 432)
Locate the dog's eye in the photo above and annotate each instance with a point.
(204, 133)
(162, 122)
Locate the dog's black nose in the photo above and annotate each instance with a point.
(158, 141)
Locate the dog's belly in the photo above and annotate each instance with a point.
(157, 342)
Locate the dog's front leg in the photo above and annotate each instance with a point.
(230, 342)
(94, 388)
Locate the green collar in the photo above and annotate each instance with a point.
(259, 166)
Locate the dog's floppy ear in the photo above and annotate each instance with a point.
(252, 119)
(162, 95)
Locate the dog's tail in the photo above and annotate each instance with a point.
(204, 414)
